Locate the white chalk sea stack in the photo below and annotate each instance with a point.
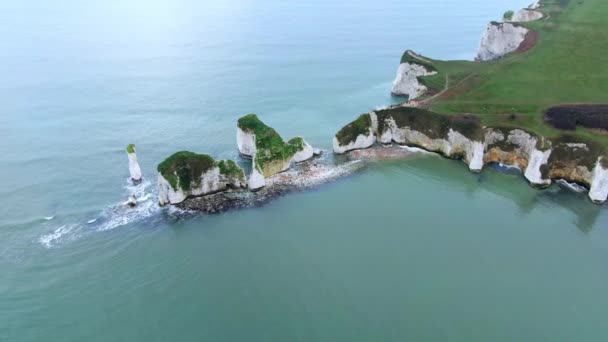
(500, 39)
(187, 174)
(599, 184)
(134, 169)
(270, 154)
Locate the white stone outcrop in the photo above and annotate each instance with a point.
(210, 181)
(499, 40)
(307, 153)
(536, 4)
(455, 144)
(245, 142)
(599, 184)
(256, 179)
(134, 169)
(406, 83)
(526, 14)
(362, 141)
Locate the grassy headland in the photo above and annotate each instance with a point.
(567, 65)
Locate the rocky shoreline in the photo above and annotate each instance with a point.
(305, 176)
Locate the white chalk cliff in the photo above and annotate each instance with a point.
(406, 83)
(540, 160)
(134, 169)
(599, 184)
(245, 142)
(526, 14)
(500, 39)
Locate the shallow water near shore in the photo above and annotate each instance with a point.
(418, 249)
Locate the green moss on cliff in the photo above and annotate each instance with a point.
(433, 125)
(184, 167)
(270, 146)
(350, 132)
(131, 148)
(508, 15)
(229, 168)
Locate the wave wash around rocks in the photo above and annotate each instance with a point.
(463, 137)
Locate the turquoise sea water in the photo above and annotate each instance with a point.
(414, 250)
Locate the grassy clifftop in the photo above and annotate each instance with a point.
(568, 64)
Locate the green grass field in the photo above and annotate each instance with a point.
(568, 64)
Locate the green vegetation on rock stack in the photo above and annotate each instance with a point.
(131, 148)
(270, 146)
(566, 65)
(350, 132)
(508, 15)
(229, 168)
(184, 167)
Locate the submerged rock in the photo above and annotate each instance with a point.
(187, 174)
(134, 169)
(270, 154)
(131, 201)
(499, 40)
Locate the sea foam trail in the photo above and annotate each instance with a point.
(112, 217)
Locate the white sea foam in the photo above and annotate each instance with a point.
(49, 240)
(48, 218)
(112, 217)
(571, 186)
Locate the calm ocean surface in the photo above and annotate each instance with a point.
(415, 250)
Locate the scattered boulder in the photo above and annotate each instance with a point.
(187, 174)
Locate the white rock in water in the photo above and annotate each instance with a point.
(499, 40)
(131, 202)
(245, 142)
(256, 179)
(307, 153)
(406, 82)
(526, 15)
(210, 181)
(362, 141)
(599, 185)
(134, 169)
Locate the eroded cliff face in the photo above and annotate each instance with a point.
(270, 154)
(500, 39)
(406, 82)
(186, 174)
(462, 137)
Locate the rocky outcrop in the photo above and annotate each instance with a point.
(356, 135)
(526, 14)
(303, 176)
(134, 169)
(406, 83)
(462, 137)
(536, 4)
(270, 154)
(499, 40)
(187, 174)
